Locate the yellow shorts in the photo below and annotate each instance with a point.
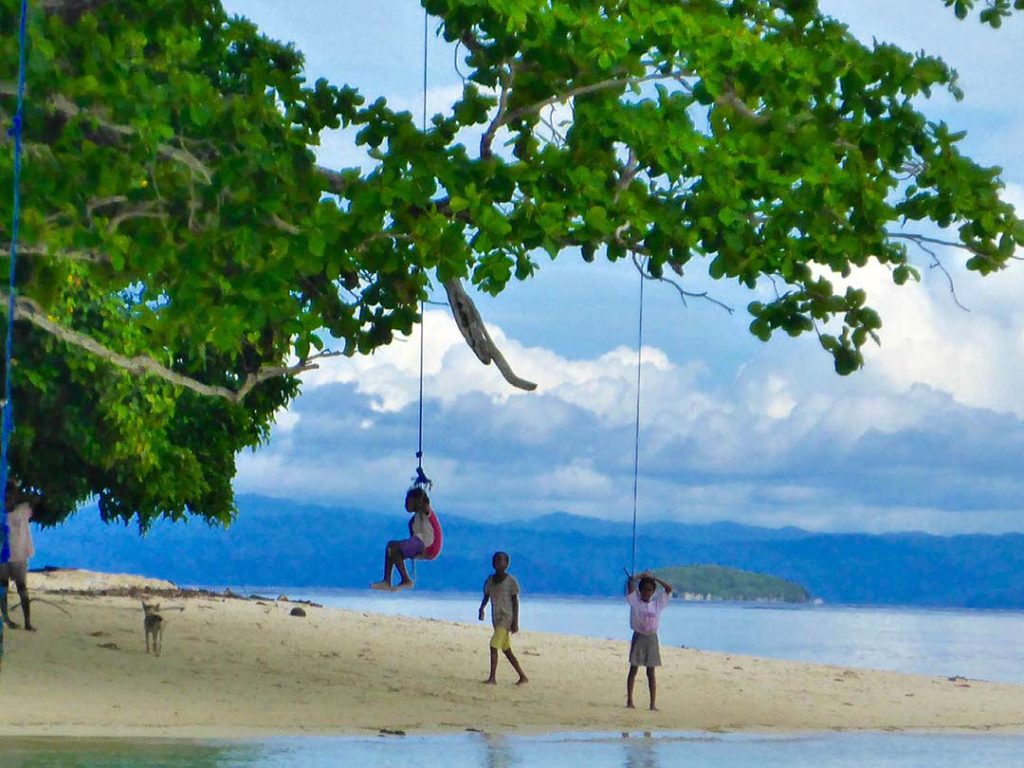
(501, 640)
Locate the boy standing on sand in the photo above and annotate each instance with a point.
(502, 589)
(644, 615)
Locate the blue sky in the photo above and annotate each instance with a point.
(927, 437)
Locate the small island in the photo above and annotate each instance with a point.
(715, 582)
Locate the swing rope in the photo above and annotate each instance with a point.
(636, 433)
(8, 408)
(422, 481)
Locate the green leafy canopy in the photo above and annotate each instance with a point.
(178, 230)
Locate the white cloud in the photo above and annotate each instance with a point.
(775, 446)
(606, 386)
(927, 339)
(285, 421)
(439, 99)
(572, 481)
(763, 435)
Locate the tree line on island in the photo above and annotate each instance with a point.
(716, 582)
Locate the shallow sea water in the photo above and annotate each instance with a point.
(475, 750)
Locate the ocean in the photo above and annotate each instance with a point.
(985, 645)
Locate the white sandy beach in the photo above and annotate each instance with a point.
(235, 667)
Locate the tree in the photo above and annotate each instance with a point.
(184, 256)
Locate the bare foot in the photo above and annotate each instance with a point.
(30, 628)
(653, 708)
(404, 584)
(523, 680)
(11, 624)
(490, 681)
(383, 586)
(629, 705)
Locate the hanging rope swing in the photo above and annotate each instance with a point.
(636, 432)
(8, 410)
(421, 480)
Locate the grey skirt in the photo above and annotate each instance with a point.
(644, 651)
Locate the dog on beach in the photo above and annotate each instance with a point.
(153, 624)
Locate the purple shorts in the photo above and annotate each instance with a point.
(411, 547)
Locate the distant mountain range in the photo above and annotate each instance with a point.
(276, 542)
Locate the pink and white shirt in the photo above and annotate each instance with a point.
(644, 617)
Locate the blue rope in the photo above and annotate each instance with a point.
(8, 410)
(421, 480)
(636, 434)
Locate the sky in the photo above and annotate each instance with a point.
(927, 437)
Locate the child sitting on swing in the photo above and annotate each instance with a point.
(424, 541)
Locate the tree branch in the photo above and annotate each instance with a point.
(683, 293)
(66, 107)
(91, 257)
(334, 181)
(140, 211)
(626, 176)
(70, 109)
(471, 325)
(922, 242)
(283, 225)
(918, 239)
(27, 309)
(488, 138)
(730, 98)
(573, 92)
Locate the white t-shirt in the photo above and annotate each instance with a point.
(422, 529)
(644, 617)
(20, 536)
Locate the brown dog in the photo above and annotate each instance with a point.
(153, 624)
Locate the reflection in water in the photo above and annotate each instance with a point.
(565, 750)
(641, 751)
(500, 754)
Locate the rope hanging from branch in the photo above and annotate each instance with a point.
(636, 433)
(421, 480)
(8, 407)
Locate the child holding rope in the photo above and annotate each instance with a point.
(645, 609)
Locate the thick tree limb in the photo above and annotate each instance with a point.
(467, 317)
(27, 309)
